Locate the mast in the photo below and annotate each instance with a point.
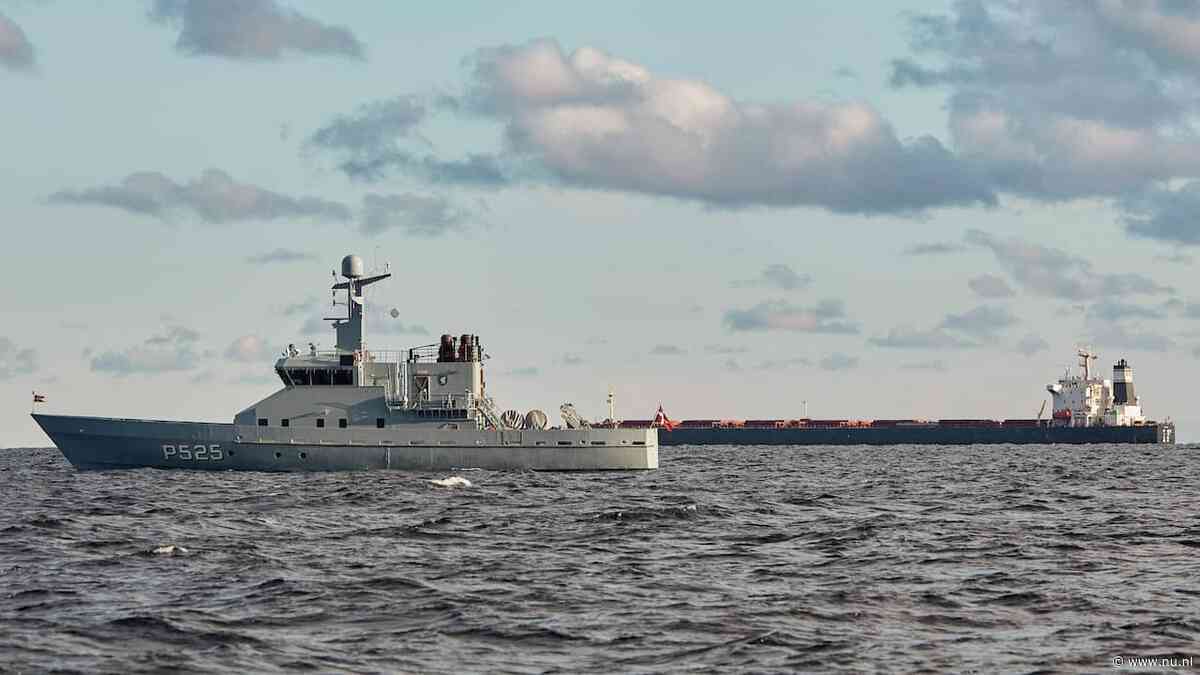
(351, 330)
(1085, 359)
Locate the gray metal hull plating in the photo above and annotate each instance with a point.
(100, 443)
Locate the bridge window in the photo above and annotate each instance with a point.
(299, 376)
(443, 414)
(342, 423)
(320, 422)
(283, 376)
(320, 376)
(262, 422)
(378, 422)
(343, 377)
(284, 422)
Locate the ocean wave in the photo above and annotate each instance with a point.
(767, 559)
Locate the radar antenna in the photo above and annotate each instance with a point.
(351, 329)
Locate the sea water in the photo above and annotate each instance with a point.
(948, 559)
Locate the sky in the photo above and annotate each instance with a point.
(862, 210)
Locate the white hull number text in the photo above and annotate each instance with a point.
(197, 453)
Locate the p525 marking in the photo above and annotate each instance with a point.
(195, 453)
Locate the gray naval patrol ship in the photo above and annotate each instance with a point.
(354, 408)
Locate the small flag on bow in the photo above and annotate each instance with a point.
(39, 398)
(662, 421)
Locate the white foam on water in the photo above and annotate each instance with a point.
(170, 549)
(452, 481)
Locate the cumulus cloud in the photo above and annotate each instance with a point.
(372, 128)
(16, 51)
(990, 286)
(15, 361)
(908, 337)
(839, 361)
(412, 214)
(280, 255)
(1168, 215)
(1167, 32)
(249, 349)
(1059, 100)
(1054, 273)
(1032, 344)
(779, 276)
(984, 322)
(476, 170)
(215, 197)
(934, 248)
(172, 350)
(828, 316)
(253, 30)
(667, 350)
(969, 329)
(595, 121)
(376, 140)
(598, 121)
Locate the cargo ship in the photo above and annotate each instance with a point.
(1086, 409)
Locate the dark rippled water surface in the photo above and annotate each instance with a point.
(728, 559)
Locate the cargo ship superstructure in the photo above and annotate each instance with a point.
(1085, 409)
(354, 408)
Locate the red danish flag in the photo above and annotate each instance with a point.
(662, 421)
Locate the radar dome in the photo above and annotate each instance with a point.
(395, 313)
(535, 419)
(352, 267)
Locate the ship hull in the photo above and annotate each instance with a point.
(1163, 433)
(99, 443)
